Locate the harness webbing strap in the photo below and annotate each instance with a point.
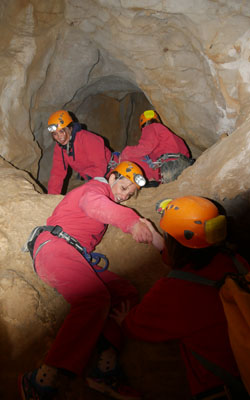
(112, 163)
(191, 277)
(188, 276)
(159, 162)
(230, 380)
(92, 258)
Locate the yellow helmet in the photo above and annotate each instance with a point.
(132, 172)
(58, 120)
(147, 116)
(194, 222)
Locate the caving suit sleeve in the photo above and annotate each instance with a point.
(100, 207)
(57, 173)
(147, 143)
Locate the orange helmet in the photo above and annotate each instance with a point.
(194, 222)
(132, 172)
(147, 116)
(58, 120)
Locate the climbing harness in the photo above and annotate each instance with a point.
(167, 156)
(175, 156)
(92, 258)
(151, 164)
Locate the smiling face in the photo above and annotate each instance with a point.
(122, 188)
(62, 136)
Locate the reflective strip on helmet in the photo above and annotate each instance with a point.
(149, 114)
(162, 205)
(52, 128)
(216, 229)
(139, 180)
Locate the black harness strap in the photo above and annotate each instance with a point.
(92, 258)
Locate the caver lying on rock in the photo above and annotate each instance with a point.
(63, 258)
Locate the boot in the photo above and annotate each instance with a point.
(36, 385)
(106, 375)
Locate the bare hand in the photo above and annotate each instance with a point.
(119, 315)
(158, 240)
(141, 232)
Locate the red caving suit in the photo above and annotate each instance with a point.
(193, 314)
(90, 159)
(155, 141)
(84, 214)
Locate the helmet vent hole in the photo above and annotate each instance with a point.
(198, 222)
(188, 234)
(177, 208)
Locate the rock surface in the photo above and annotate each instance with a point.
(190, 59)
(107, 61)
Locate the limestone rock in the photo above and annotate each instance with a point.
(189, 60)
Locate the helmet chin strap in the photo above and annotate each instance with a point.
(116, 180)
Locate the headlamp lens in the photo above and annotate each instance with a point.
(139, 180)
(52, 128)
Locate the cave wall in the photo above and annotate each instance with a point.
(189, 59)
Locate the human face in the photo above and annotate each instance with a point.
(62, 136)
(122, 188)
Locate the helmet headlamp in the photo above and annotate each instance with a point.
(52, 128)
(131, 171)
(139, 180)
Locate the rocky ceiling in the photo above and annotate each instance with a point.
(190, 60)
(106, 61)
